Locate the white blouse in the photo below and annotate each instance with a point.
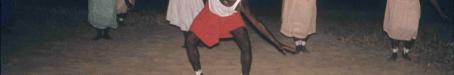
(220, 9)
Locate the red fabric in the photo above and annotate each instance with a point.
(210, 28)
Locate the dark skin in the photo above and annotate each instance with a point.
(440, 12)
(241, 37)
(244, 9)
(445, 17)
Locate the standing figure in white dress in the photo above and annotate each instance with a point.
(401, 24)
(299, 21)
(181, 13)
(102, 16)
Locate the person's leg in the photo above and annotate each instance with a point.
(185, 35)
(300, 44)
(129, 4)
(121, 18)
(193, 53)
(395, 49)
(407, 48)
(106, 33)
(242, 39)
(99, 34)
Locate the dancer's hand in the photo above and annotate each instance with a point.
(284, 48)
(447, 19)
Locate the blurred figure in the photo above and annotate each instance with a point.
(449, 21)
(299, 21)
(102, 16)
(6, 16)
(401, 24)
(181, 13)
(123, 7)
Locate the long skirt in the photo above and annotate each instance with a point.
(102, 13)
(402, 19)
(182, 12)
(299, 18)
(210, 28)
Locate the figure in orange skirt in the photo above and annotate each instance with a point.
(223, 19)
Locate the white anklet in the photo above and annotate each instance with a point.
(395, 50)
(121, 19)
(300, 43)
(198, 72)
(406, 50)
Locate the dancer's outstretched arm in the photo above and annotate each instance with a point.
(440, 11)
(244, 9)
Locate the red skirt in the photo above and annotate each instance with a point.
(210, 28)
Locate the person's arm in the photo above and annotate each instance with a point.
(244, 9)
(129, 4)
(437, 7)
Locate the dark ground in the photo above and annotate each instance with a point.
(52, 37)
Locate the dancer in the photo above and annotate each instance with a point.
(222, 19)
(299, 21)
(102, 16)
(401, 24)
